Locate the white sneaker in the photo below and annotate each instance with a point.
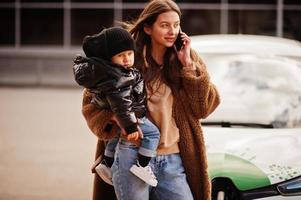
(104, 172)
(144, 173)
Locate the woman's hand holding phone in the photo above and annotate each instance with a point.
(179, 42)
(182, 47)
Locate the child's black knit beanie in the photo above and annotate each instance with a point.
(108, 43)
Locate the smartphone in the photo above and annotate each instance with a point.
(179, 42)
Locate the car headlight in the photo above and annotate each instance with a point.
(290, 188)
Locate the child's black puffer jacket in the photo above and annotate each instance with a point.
(115, 88)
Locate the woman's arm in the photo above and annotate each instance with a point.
(99, 121)
(203, 95)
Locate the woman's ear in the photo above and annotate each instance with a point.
(147, 30)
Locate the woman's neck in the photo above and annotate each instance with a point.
(157, 53)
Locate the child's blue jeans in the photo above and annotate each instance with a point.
(149, 142)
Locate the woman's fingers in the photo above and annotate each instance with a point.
(184, 53)
(133, 136)
(186, 39)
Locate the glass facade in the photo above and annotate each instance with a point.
(197, 22)
(92, 1)
(292, 28)
(65, 22)
(252, 22)
(41, 1)
(42, 26)
(295, 2)
(7, 21)
(89, 21)
(130, 14)
(253, 1)
(199, 1)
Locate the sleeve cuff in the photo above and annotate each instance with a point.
(130, 129)
(190, 70)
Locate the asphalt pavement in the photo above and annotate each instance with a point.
(46, 149)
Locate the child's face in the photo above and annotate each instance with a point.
(124, 58)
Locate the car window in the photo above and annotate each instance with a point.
(257, 89)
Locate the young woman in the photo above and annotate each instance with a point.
(179, 94)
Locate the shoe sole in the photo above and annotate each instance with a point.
(137, 173)
(103, 177)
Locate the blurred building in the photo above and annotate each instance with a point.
(61, 24)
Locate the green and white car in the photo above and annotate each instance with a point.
(253, 139)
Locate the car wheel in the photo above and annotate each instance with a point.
(224, 189)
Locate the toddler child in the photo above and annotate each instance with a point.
(108, 72)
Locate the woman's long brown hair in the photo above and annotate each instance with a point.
(169, 73)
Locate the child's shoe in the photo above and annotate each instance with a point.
(144, 173)
(104, 172)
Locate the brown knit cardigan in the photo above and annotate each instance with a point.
(198, 98)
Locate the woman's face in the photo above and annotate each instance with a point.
(165, 30)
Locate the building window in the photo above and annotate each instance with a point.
(252, 22)
(253, 1)
(130, 14)
(195, 22)
(7, 20)
(41, 26)
(291, 23)
(136, 1)
(89, 21)
(92, 1)
(41, 1)
(198, 1)
(295, 2)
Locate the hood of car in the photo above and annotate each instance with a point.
(253, 157)
(243, 43)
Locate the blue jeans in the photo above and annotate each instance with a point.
(149, 142)
(169, 170)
